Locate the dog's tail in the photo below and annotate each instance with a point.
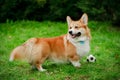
(17, 53)
(24, 51)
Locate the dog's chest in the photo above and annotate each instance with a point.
(82, 48)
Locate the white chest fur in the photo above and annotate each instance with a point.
(82, 45)
(82, 48)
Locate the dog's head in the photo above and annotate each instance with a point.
(78, 30)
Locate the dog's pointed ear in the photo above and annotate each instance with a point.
(84, 19)
(69, 20)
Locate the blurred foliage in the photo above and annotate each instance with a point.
(101, 9)
(21, 9)
(58, 9)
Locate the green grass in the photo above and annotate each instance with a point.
(105, 46)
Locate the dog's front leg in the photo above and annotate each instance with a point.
(75, 61)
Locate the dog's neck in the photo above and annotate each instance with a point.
(81, 44)
(80, 40)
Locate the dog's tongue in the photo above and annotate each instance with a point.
(73, 35)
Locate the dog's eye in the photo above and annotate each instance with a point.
(70, 27)
(76, 27)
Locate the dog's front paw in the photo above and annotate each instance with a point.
(76, 64)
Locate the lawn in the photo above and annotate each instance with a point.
(105, 46)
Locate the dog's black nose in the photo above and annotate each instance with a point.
(70, 32)
(79, 33)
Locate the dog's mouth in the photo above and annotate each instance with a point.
(74, 35)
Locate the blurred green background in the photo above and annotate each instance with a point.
(57, 10)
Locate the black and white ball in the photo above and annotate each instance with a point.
(91, 58)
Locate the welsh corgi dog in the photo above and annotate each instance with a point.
(66, 48)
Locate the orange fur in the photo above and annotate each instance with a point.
(60, 49)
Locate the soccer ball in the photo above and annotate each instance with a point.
(91, 58)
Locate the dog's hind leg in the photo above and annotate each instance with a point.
(38, 63)
(39, 66)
